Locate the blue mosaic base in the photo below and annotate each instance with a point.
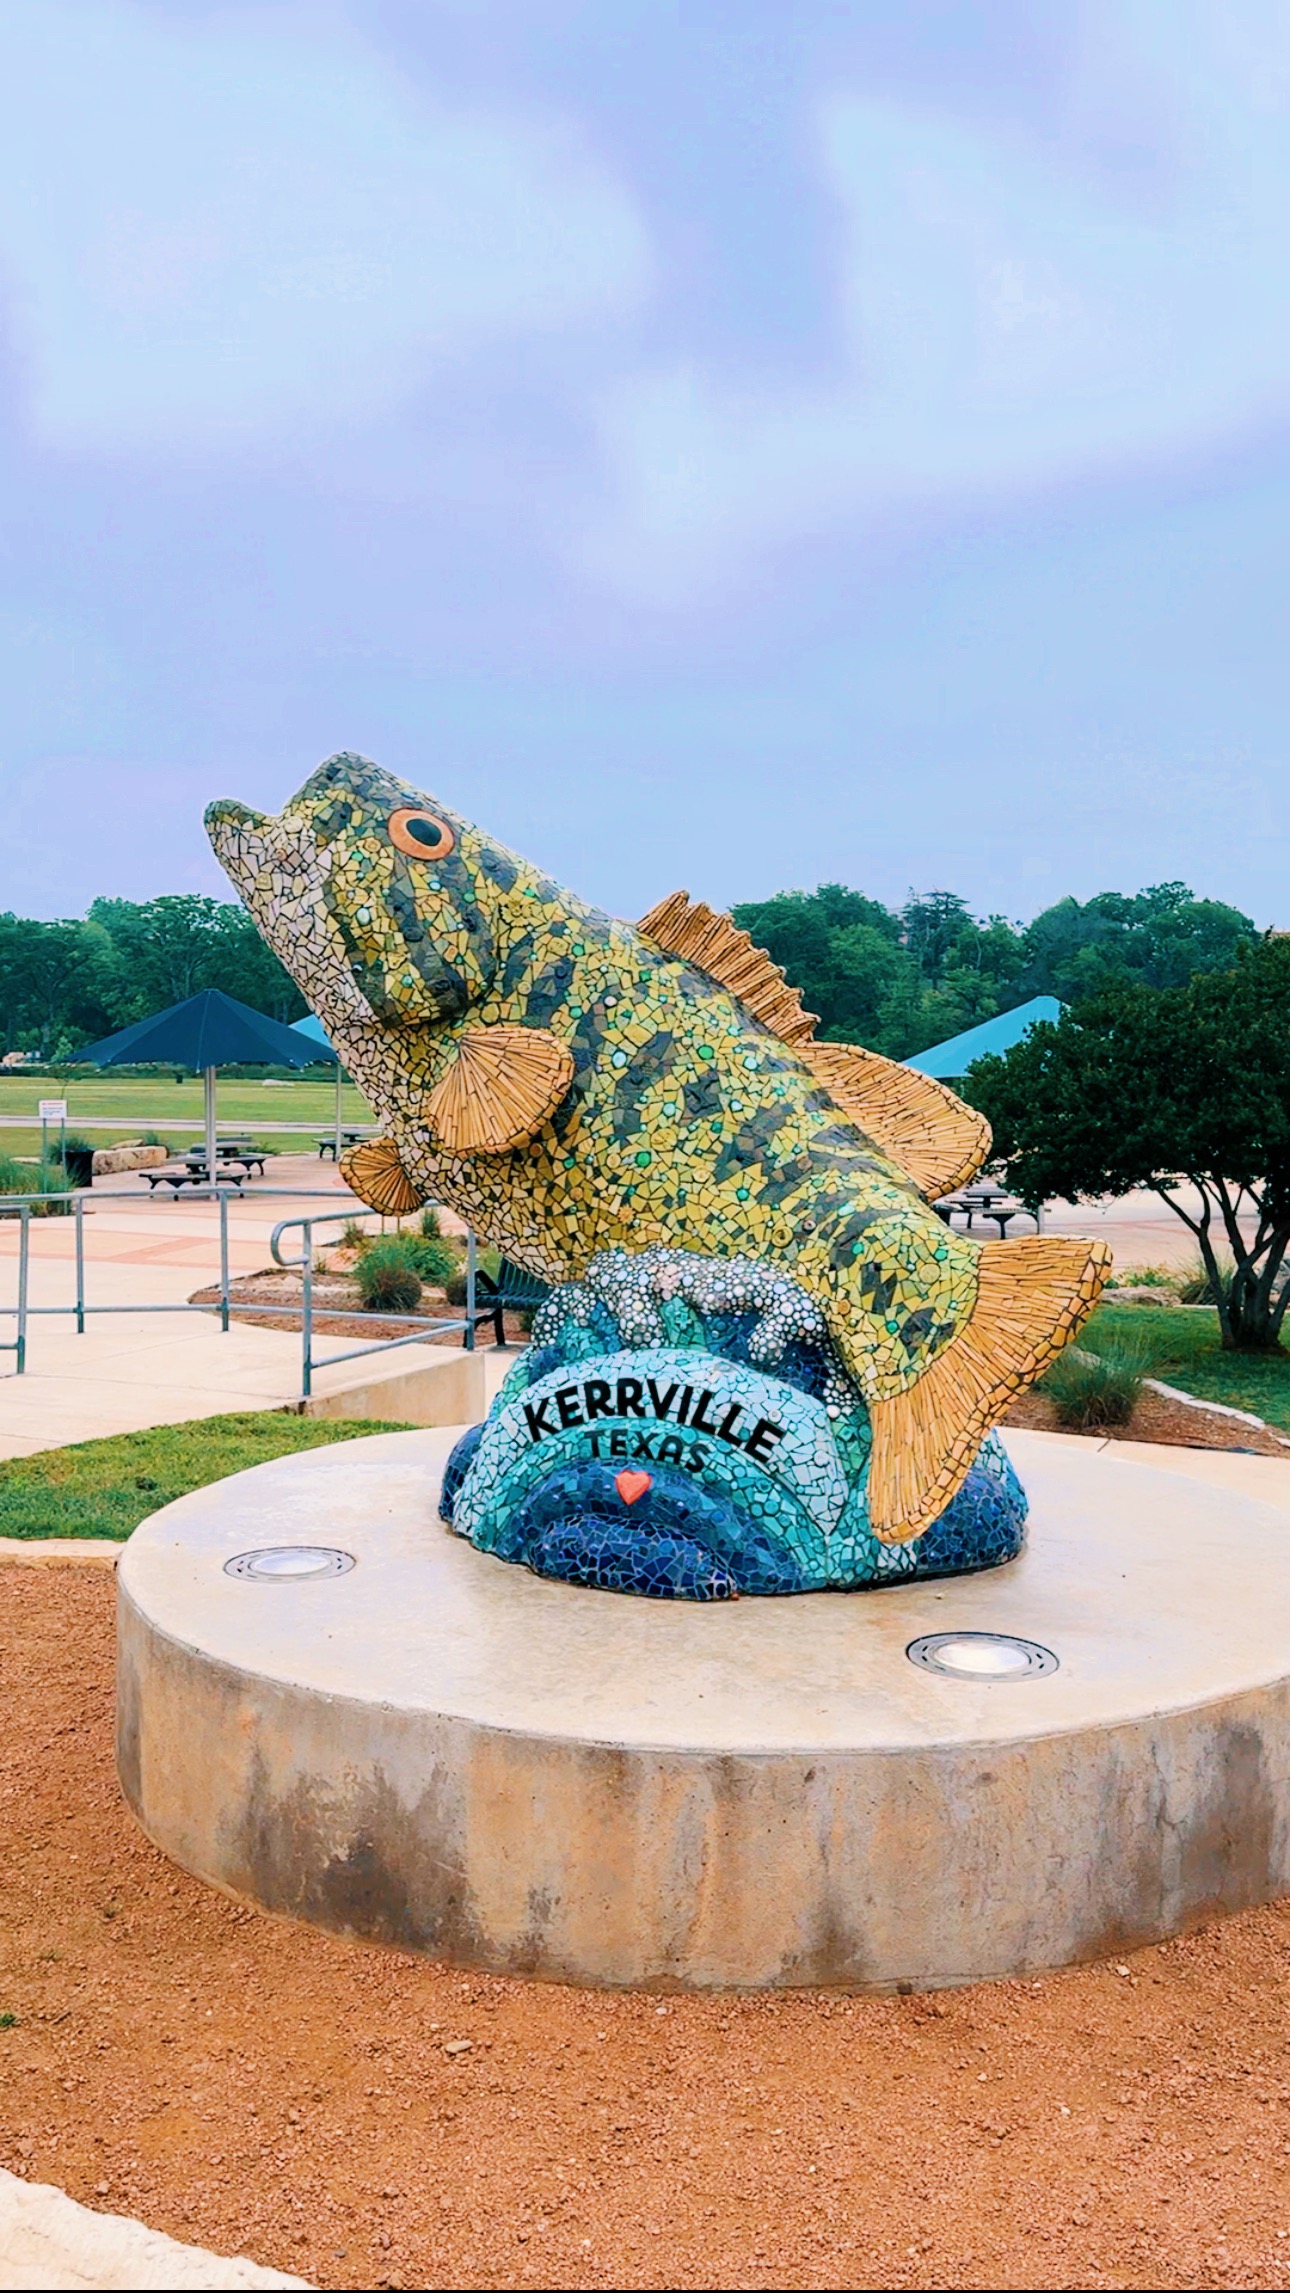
(684, 1470)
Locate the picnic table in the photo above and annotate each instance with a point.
(235, 1159)
(983, 1200)
(245, 1151)
(192, 1172)
(349, 1138)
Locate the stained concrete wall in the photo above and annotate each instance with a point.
(591, 1863)
(450, 1387)
(444, 1753)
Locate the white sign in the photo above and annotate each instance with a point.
(53, 1110)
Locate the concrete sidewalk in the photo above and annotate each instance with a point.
(133, 1369)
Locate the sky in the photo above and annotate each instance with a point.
(707, 442)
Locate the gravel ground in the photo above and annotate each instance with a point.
(258, 2088)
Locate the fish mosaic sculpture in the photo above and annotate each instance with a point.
(579, 1089)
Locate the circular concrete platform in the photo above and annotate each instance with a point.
(437, 1750)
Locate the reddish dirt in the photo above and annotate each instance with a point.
(1157, 1418)
(259, 2088)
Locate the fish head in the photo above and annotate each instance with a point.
(385, 906)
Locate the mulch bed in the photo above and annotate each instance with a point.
(257, 2087)
(1157, 1418)
(279, 1292)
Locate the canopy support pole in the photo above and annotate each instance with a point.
(209, 1080)
(340, 1072)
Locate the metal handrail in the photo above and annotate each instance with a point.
(305, 1262)
(24, 1205)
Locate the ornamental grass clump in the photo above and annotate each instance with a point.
(15, 1177)
(49, 1180)
(388, 1281)
(1198, 1287)
(1091, 1391)
(429, 1256)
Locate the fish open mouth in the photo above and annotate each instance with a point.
(279, 870)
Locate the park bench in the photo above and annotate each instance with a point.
(513, 1289)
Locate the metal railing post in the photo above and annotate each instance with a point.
(24, 1239)
(80, 1266)
(417, 1327)
(223, 1261)
(307, 1313)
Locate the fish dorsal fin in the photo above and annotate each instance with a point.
(714, 944)
(933, 1136)
(501, 1087)
(374, 1172)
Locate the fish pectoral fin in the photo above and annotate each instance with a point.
(374, 1172)
(502, 1086)
(935, 1138)
(715, 944)
(1031, 1297)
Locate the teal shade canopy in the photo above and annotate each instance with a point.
(946, 1060)
(207, 1030)
(313, 1028)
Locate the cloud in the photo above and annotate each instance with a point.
(225, 227)
(1008, 315)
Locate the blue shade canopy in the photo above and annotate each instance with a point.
(945, 1060)
(209, 1030)
(312, 1026)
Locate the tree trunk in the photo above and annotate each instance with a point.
(1255, 1310)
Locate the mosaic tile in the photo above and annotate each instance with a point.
(577, 1087)
(680, 1469)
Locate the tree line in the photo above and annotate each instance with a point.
(64, 984)
(897, 980)
(901, 980)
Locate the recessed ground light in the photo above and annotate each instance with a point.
(981, 1656)
(288, 1564)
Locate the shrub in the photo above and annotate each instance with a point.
(430, 1226)
(430, 1258)
(1145, 1278)
(435, 1261)
(387, 1280)
(1090, 1390)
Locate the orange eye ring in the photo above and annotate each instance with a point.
(421, 834)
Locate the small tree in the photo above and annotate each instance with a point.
(1155, 1087)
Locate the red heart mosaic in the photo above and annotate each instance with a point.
(632, 1485)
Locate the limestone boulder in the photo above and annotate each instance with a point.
(128, 1154)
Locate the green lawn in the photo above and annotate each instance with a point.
(1183, 1343)
(151, 1102)
(105, 1488)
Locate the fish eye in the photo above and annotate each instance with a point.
(420, 834)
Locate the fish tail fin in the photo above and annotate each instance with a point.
(1031, 1297)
